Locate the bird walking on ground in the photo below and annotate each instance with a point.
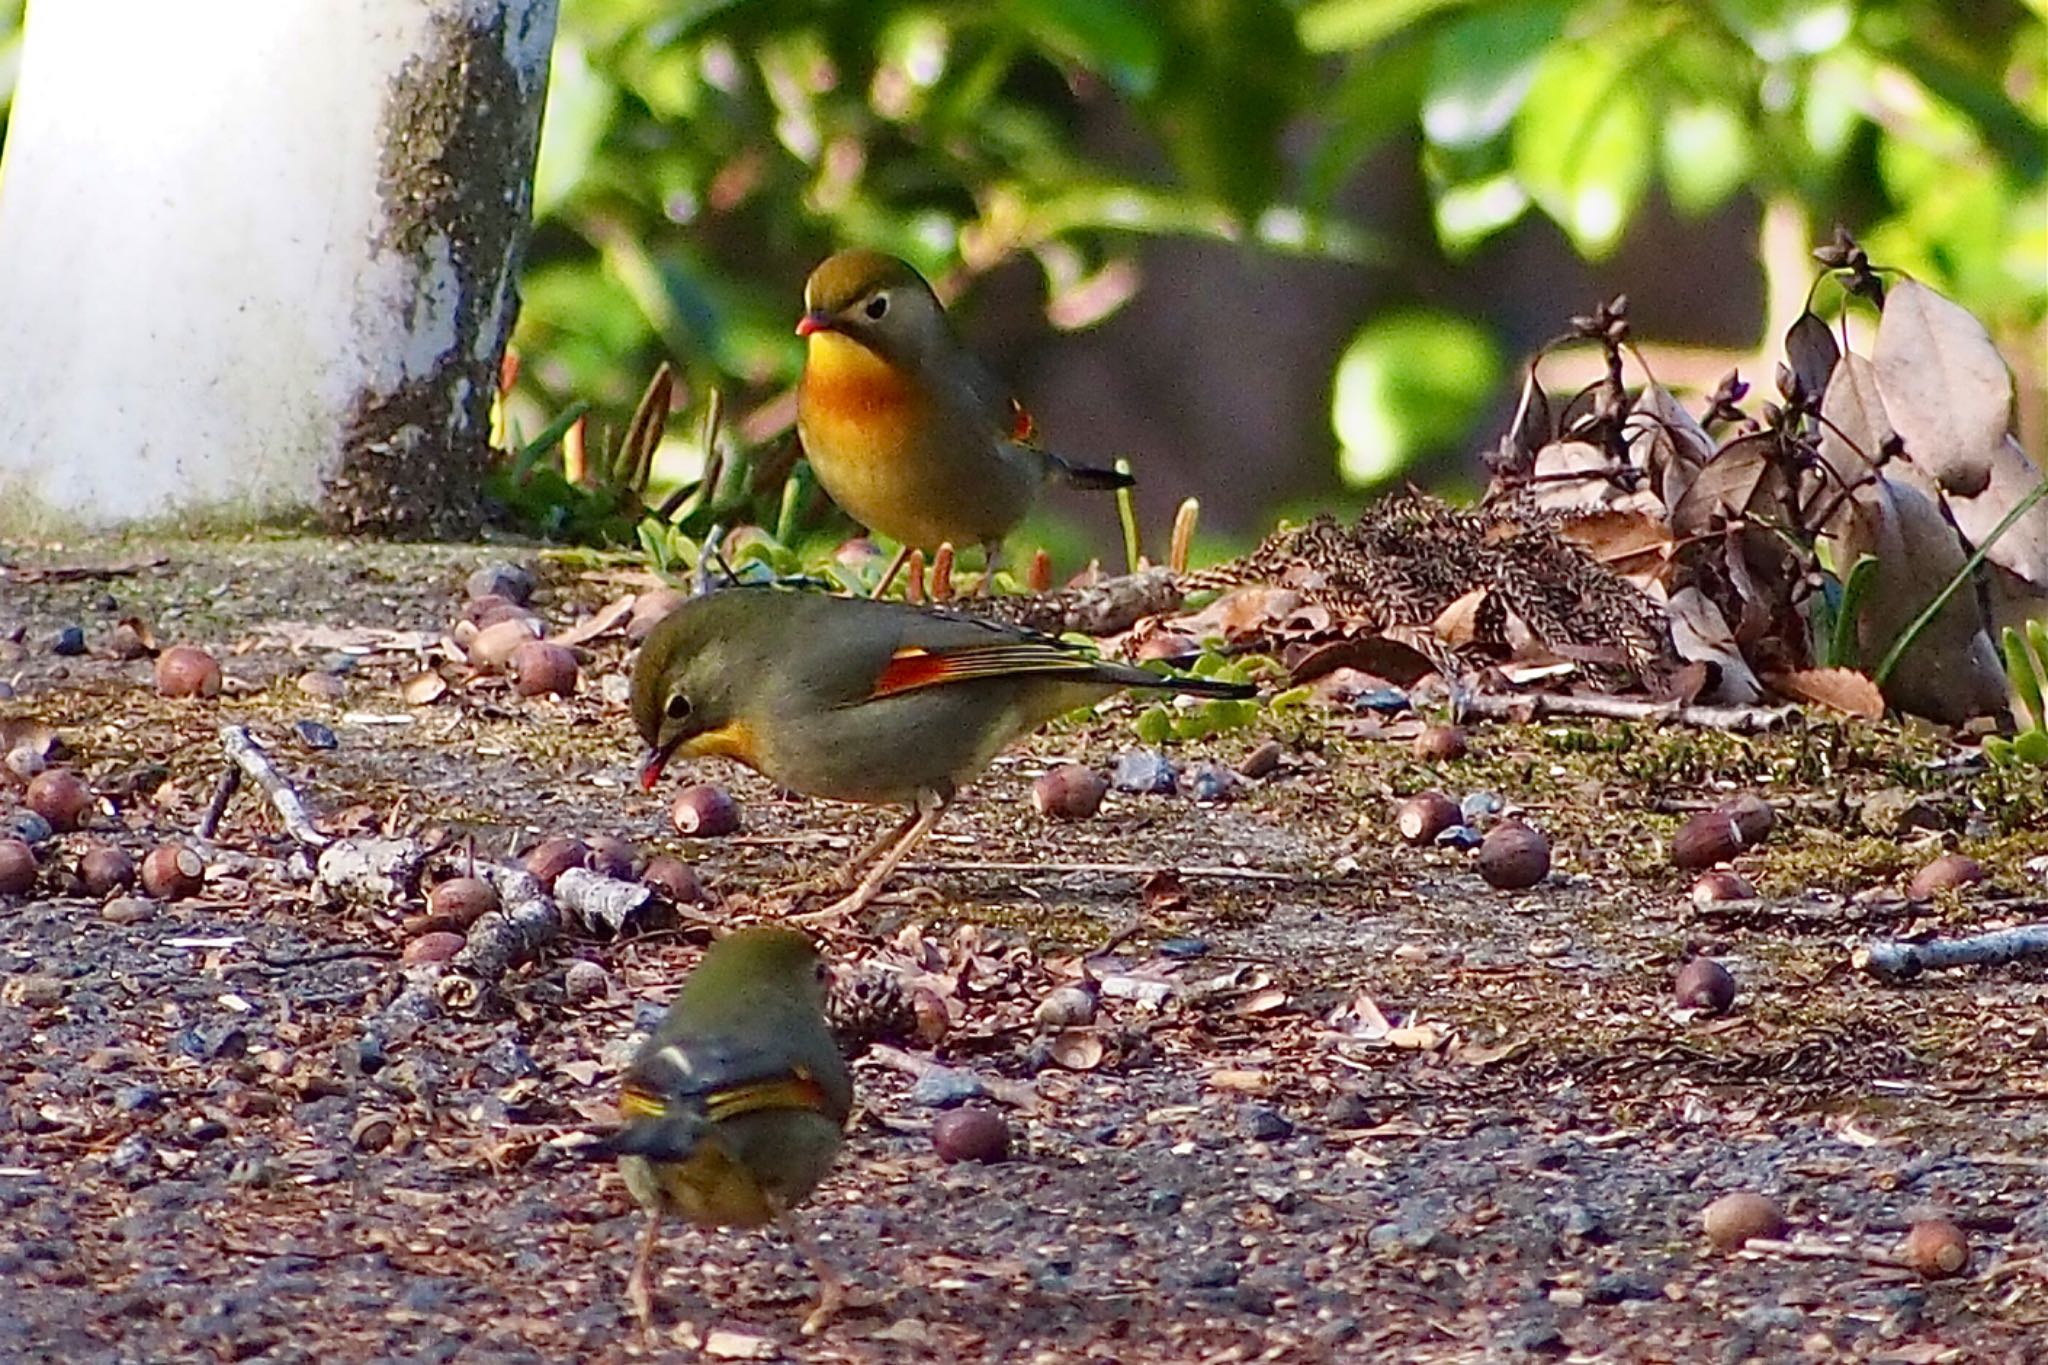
(910, 434)
(858, 700)
(736, 1105)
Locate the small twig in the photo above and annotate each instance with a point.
(247, 754)
(1740, 720)
(1245, 874)
(1896, 960)
(1811, 1249)
(223, 792)
(896, 1059)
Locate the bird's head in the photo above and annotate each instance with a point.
(878, 301)
(689, 676)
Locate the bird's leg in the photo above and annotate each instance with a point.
(639, 1289)
(889, 574)
(831, 1289)
(992, 553)
(843, 876)
(930, 805)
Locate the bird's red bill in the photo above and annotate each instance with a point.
(813, 322)
(651, 764)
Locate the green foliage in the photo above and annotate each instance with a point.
(699, 155)
(1409, 382)
(2026, 665)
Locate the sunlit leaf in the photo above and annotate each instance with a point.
(1582, 146)
(1482, 66)
(1408, 383)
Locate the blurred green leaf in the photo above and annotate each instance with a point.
(1336, 25)
(1117, 39)
(1707, 155)
(1409, 383)
(1582, 146)
(1780, 30)
(1482, 66)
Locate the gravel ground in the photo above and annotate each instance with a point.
(1384, 1112)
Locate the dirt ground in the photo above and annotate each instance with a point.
(1383, 1111)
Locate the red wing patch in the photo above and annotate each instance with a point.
(914, 667)
(1022, 428)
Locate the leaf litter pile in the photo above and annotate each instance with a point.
(1675, 1005)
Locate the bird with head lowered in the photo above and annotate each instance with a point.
(851, 699)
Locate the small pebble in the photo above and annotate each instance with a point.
(69, 641)
(322, 686)
(128, 910)
(1263, 1124)
(945, 1086)
(1478, 807)
(1163, 1203)
(1351, 1110)
(585, 981)
(1209, 782)
(1464, 838)
(1184, 948)
(138, 1099)
(1146, 771)
(1386, 701)
(27, 826)
(314, 735)
(513, 582)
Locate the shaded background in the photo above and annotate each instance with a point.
(1278, 253)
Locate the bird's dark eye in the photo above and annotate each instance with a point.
(877, 306)
(678, 707)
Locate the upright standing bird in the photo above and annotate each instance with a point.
(907, 431)
(860, 700)
(735, 1106)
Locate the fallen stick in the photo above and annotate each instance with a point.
(246, 754)
(1896, 960)
(1248, 874)
(1739, 720)
(223, 792)
(1105, 608)
(1809, 1249)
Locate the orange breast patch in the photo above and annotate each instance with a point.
(846, 383)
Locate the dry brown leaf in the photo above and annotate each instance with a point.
(1725, 485)
(1261, 1002)
(612, 616)
(1457, 625)
(1573, 476)
(1699, 633)
(1840, 689)
(1635, 545)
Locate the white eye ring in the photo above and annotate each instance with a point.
(877, 306)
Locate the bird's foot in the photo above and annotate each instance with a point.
(640, 1297)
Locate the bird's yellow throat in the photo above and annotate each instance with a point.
(846, 383)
